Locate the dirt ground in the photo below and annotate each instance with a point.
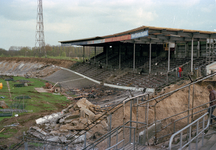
(176, 103)
(57, 62)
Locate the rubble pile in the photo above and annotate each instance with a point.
(74, 120)
(96, 92)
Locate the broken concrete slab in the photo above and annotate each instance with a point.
(149, 132)
(49, 118)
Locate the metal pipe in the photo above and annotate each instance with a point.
(188, 120)
(110, 128)
(155, 120)
(130, 120)
(192, 55)
(147, 124)
(192, 104)
(137, 120)
(120, 56)
(134, 142)
(168, 59)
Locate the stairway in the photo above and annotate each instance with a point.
(209, 142)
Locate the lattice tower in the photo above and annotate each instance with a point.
(39, 36)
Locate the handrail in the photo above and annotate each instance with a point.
(189, 126)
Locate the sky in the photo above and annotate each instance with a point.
(77, 19)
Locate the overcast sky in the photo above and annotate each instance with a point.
(75, 19)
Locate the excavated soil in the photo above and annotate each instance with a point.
(176, 103)
(57, 62)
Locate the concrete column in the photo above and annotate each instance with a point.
(83, 53)
(198, 49)
(95, 54)
(176, 48)
(134, 54)
(107, 50)
(149, 58)
(186, 45)
(192, 55)
(168, 59)
(120, 56)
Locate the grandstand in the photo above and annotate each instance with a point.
(147, 57)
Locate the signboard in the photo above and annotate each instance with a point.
(139, 34)
(114, 39)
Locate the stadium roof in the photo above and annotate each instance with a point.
(146, 35)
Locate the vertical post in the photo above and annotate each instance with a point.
(192, 55)
(85, 141)
(175, 51)
(137, 116)
(95, 54)
(107, 50)
(110, 128)
(168, 59)
(120, 56)
(116, 139)
(26, 145)
(188, 119)
(186, 46)
(130, 120)
(83, 53)
(149, 58)
(192, 104)
(147, 105)
(198, 49)
(134, 55)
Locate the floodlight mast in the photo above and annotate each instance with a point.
(39, 36)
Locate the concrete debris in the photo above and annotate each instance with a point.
(76, 118)
(3, 105)
(49, 118)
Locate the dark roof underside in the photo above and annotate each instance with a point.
(155, 35)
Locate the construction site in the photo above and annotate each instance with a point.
(130, 96)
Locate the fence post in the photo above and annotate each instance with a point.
(130, 120)
(85, 141)
(110, 128)
(26, 145)
(188, 119)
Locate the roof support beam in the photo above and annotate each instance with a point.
(134, 54)
(149, 57)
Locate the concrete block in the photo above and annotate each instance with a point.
(151, 133)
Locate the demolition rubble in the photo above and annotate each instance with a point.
(70, 123)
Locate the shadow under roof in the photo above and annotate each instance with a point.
(146, 35)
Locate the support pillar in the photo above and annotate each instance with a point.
(149, 58)
(198, 49)
(186, 46)
(107, 50)
(134, 56)
(83, 53)
(120, 56)
(176, 48)
(168, 59)
(95, 54)
(192, 55)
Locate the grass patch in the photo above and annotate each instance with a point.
(39, 102)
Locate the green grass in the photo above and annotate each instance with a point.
(39, 102)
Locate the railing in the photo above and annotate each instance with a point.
(197, 122)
